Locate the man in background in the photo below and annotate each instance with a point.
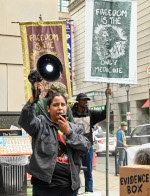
(121, 144)
(87, 118)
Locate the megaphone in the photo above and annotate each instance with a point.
(49, 68)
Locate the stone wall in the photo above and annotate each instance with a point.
(6, 120)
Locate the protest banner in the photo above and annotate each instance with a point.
(111, 41)
(44, 37)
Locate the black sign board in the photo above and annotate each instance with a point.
(10, 132)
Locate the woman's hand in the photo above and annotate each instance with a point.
(64, 125)
(37, 85)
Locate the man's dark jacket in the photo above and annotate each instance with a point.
(95, 117)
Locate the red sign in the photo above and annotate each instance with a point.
(128, 116)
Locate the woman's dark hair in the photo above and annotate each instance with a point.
(50, 99)
(143, 157)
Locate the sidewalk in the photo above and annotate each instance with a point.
(99, 183)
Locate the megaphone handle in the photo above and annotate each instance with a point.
(36, 98)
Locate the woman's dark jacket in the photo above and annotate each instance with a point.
(45, 145)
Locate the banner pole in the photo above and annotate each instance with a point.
(149, 106)
(107, 140)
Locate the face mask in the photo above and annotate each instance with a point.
(126, 128)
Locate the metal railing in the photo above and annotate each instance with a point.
(116, 158)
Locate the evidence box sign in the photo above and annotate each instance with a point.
(135, 180)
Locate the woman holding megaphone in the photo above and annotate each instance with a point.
(57, 148)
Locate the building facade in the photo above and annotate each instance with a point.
(12, 94)
(11, 62)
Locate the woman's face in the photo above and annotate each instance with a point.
(57, 107)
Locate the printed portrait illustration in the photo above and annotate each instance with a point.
(110, 42)
(84, 122)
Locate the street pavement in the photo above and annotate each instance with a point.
(99, 184)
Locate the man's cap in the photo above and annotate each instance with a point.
(58, 87)
(82, 96)
(123, 123)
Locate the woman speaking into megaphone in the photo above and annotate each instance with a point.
(57, 148)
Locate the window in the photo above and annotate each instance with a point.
(137, 131)
(63, 4)
(141, 130)
(123, 111)
(146, 130)
(122, 85)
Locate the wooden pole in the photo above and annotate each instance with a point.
(107, 141)
(149, 105)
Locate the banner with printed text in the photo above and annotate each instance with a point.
(111, 41)
(44, 37)
(69, 47)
